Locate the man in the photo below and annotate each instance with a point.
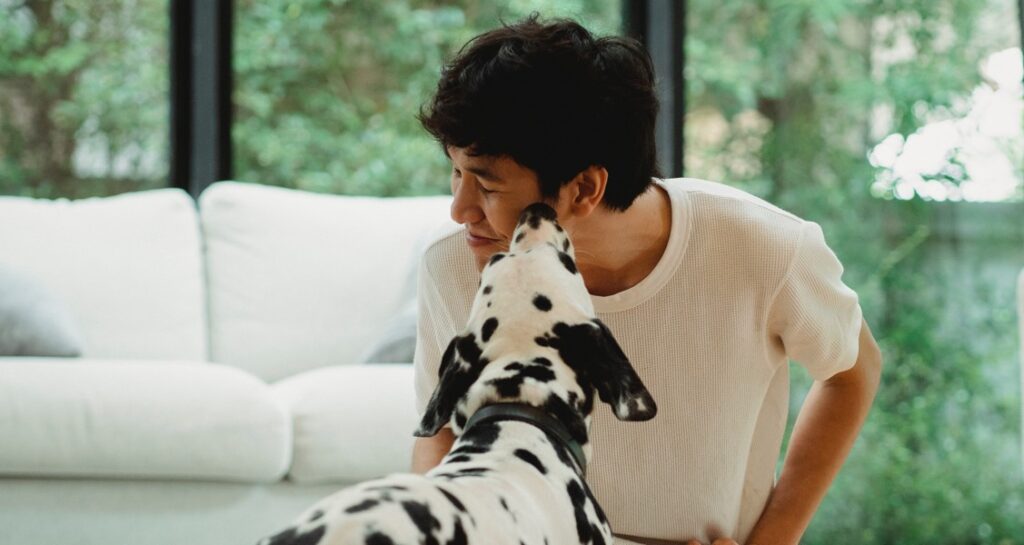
(709, 290)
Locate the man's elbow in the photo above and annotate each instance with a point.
(870, 359)
(427, 452)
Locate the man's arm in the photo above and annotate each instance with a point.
(825, 430)
(427, 452)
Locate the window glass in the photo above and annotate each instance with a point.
(897, 126)
(326, 93)
(83, 97)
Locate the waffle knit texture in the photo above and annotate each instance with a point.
(742, 287)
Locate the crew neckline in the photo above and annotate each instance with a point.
(678, 238)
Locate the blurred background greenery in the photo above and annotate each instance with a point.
(896, 124)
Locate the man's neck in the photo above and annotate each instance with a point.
(617, 250)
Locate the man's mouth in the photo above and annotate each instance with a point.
(475, 240)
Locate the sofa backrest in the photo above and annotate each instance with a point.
(128, 268)
(299, 280)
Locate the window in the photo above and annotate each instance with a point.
(897, 126)
(326, 93)
(83, 97)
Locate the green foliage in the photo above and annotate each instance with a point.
(83, 97)
(784, 99)
(338, 114)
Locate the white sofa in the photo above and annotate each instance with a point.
(222, 387)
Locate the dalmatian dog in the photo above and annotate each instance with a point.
(517, 387)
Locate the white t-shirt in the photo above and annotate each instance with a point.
(741, 287)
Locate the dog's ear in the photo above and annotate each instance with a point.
(596, 356)
(455, 375)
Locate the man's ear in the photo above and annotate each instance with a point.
(455, 377)
(596, 356)
(584, 193)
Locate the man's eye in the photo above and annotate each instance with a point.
(484, 190)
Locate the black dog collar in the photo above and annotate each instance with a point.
(535, 416)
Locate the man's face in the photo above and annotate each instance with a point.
(489, 194)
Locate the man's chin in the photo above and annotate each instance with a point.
(482, 254)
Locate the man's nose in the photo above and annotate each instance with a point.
(465, 209)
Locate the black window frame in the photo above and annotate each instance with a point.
(201, 83)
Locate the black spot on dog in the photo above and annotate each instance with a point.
(378, 538)
(487, 290)
(531, 459)
(568, 262)
(291, 536)
(572, 420)
(542, 361)
(597, 506)
(423, 519)
(520, 236)
(542, 341)
(538, 373)
(514, 366)
(510, 386)
(460, 418)
(504, 504)
(454, 501)
(496, 258)
(459, 535)
(579, 499)
(361, 506)
(507, 386)
(481, 436)
(542, 303)
(457, 459)
(473, 471)
(565, 245)
(470, 351)
(488, 328)
(469, 449)
(316, 514)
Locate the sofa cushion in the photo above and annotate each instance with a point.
(105, 418)
(300, 280)
(33, 321)
(127, 267)
(350, 423)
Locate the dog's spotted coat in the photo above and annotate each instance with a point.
(532, 338)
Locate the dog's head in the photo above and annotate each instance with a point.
(532, 338)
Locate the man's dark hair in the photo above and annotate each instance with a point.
(556, 100)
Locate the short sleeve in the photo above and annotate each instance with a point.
(814, 314)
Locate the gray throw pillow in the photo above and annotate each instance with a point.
(33, 321)
(397, 344)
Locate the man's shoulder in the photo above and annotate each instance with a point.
(717, 197)
(445, 250)
(442, 241)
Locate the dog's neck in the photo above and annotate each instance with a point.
(553, 427)
(562, 441)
